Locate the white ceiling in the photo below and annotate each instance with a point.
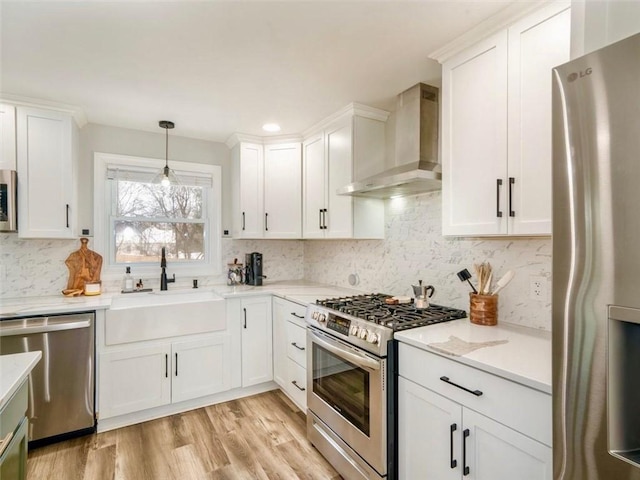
(215, 68)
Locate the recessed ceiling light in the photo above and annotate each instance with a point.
(271, 127)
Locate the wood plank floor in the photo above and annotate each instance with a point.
(258, 437)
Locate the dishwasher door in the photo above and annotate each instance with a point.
(62, 385)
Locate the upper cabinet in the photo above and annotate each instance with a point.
(330, 157)
(46, 156)
(266, 190)
(496, 128)
(283, 190)
(7, 137)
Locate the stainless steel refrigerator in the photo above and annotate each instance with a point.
(596, 265)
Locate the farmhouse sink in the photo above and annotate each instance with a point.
(136, 317)
(167, 297)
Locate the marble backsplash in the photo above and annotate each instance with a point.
(34, 267)
(415, 249)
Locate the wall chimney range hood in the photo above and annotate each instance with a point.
(417, 168)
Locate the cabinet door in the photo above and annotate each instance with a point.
(474, 140)
(429, 432)
(134, 379)
(314, 184)
(251, 191)
(257, 346)
(13, 462)
(45, 174)
(7, 137)
(497, 452)
(200, 367)
(537, 43)
(283, 191)
(280, 314)
(339, 148)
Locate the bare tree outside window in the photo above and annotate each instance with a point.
(149, 217)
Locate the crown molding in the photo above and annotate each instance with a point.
(501, 20)
(237, 138)
(352, 109)
(76, 112)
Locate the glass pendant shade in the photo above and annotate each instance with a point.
(166, 177)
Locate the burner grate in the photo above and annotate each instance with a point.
(373, 308)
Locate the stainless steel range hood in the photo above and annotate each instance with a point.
(416, 167)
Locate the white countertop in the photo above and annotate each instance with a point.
(13, 370)
(300, 291)
(519, 354)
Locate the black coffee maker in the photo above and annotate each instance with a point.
(253, 269)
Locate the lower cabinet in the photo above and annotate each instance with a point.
(13, 436)
(142, 377)
(257, 341)
(441, 438)
(290, 350)
(447, 438)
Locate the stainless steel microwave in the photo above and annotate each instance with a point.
(8, 201)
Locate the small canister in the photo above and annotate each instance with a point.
(483, 309)
(234, 273)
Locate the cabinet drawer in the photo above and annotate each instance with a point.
(297, 344)
(295, 313)
(14, 411)
(297, 384)
(521, 408)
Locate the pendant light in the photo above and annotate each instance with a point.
(166, 176)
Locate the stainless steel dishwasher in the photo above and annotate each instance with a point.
(62, 385)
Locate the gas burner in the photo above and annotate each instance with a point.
(373, 308)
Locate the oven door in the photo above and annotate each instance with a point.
(346, 392)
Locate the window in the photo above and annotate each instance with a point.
(139, 218)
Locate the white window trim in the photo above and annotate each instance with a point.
(101, 214)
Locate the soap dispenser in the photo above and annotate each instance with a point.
(127, 282)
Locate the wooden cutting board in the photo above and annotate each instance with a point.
(84, 266)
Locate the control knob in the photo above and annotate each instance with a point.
(354, 330)
(322, 317)
(372, 337)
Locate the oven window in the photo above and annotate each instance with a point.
(343, 386)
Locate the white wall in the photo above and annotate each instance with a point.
(101, 138)
(415, 249)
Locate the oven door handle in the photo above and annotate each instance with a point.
(357, 359)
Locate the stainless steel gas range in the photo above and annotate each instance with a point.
(351, 379)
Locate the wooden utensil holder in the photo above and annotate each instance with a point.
(483, 309)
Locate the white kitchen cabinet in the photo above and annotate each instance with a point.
(7, 137)
(283, 190)
(46, 153)
(257, 341)
(200, 367)
(457, 422)
(142, 377)
(424, 420)
(290, 350)
(248, 206)
(134, 379)
(329, 159)
(496, 128)
(267, 190)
